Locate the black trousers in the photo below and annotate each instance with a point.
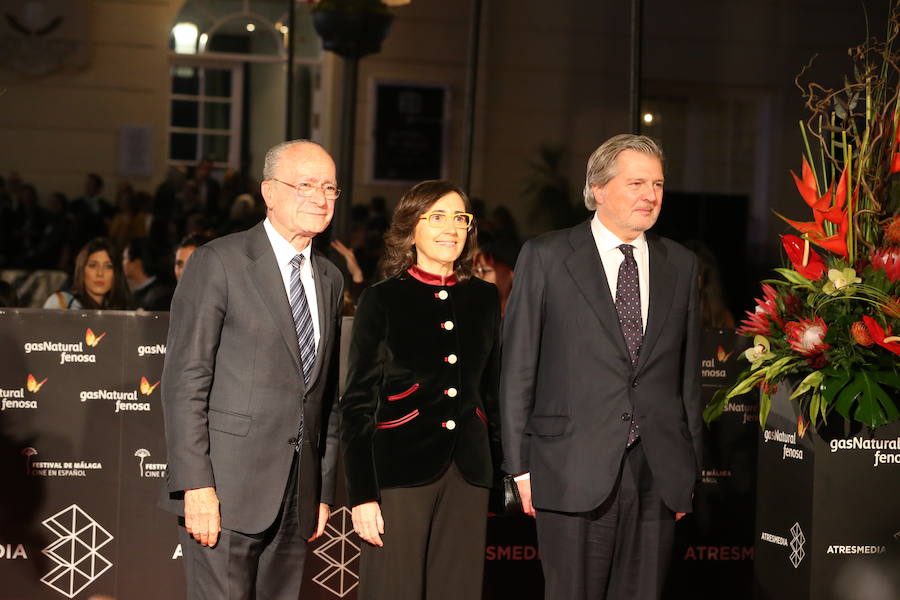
(620, 550)
(433, 543)
(241, 566)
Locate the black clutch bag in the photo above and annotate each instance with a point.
(504, 499)
(511, 500)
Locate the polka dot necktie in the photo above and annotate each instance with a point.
(305, 334)
(628, 305)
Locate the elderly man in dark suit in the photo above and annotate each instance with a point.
(248, 387)
(600, 396)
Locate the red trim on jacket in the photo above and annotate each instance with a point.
(481, 415)
(398, 422)
(430, 278)
(404, 394)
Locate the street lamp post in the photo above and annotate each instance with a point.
(351, 29)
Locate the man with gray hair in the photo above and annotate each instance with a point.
(248, 388)
(600, 395)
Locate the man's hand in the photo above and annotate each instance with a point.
(524, 486)
(324, 514)
(678, 516)
(201, 515)
(368, 522)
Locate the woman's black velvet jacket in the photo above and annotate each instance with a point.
(422, 385)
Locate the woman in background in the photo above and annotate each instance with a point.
(98, 281)
(420, 411)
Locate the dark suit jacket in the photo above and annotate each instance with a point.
(568, 386)
(232, 386)
(421, 394)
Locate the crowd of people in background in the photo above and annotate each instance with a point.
(125, 248)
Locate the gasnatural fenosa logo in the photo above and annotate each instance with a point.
(15, 398)
(124, 401)
(146, 388)
(91, 339)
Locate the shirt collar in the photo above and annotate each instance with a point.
(430, 278)
(284, 252)
(606, 240)
(150, 281)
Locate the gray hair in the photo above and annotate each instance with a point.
(274, 155)
(601, 166)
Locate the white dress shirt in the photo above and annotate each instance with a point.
(608, 247)
(284, 254)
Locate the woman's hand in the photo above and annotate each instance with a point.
(352, 265)
(368, 523)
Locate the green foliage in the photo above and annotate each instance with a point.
(549, 191)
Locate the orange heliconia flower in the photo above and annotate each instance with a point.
(824, 210)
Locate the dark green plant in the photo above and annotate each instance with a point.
(549, 190)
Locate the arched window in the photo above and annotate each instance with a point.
(228, 77)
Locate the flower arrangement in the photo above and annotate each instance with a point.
(830, 323)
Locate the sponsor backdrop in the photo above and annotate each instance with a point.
(82, 458)
(829, 525)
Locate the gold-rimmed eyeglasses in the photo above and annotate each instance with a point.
(438, 219)
(307, 189)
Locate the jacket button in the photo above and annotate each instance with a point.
(634, 383)
(292, 441)
(448, 325)
(626, 416)
(451, 359)
(451, 392)
(451, 424)
(443, 294)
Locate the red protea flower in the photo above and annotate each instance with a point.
(860, 334)
(889, 260)
(792, 304)
(892, 230)
(881, 337)
(759, 321)
(807, 336)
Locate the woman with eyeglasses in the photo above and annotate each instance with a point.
(420, 411)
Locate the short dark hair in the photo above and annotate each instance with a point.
(98, 181)
(399, 251)
(193, 239)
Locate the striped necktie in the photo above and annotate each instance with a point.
(306, 338)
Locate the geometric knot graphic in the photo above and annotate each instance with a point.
(75, 551)
(797, 542)
(340, 553)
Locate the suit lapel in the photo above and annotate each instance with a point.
(326, 312)
(270, 286)
(663, 277)
(586, 269)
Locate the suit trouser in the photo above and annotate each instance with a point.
(433, 543)
(620, 550)
(241, 566)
